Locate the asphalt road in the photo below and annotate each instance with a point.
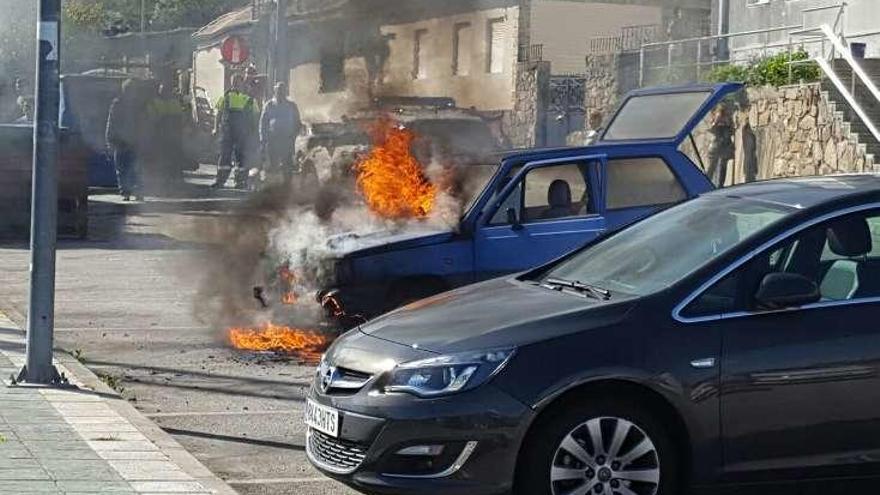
(125, 304)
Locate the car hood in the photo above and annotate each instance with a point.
(499, 313)
(359, 244)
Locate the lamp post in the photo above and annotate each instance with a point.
(44, 201)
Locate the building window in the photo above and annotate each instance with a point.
(462, 44)
(419, 48)
(333, 66)
(496, 40)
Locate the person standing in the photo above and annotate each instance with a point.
(594, 126)
(721, 147)
(124, 138)
(279, 125)
(236, 124)
(165, 113)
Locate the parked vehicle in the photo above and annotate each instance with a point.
(538, 205)
(330, 150)
(730, 340)
(77, 159)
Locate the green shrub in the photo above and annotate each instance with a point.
(769, 71)
(728, 73)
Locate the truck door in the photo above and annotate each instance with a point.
(548, 208)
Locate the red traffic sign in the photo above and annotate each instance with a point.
(234, 50)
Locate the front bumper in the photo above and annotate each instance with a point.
(374, 426)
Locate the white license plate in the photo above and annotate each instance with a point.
(322, 418)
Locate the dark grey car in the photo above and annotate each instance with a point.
(730, 341)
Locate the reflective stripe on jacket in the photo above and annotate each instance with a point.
(236, 101)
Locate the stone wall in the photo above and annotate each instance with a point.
(524, 125)
(602, 86)
(789, 131)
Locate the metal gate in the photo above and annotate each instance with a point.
(565, 112)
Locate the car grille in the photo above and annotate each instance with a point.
(342, 381)
(335, 454)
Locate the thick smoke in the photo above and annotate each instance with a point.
(302, 229)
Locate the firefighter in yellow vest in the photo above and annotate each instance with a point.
(237, 117)
(166, 115)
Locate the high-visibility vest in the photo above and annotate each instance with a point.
(236, 101)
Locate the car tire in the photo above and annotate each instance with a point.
(547, 468)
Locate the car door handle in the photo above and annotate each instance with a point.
(702, 364)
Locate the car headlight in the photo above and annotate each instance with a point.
(447, 374)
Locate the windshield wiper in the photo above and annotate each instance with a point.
(591, 290)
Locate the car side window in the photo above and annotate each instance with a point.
(548, 193)
(841, 256)
(646, 181)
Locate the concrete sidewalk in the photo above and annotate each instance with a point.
(85, 440)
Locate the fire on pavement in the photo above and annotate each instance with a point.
(304, 344)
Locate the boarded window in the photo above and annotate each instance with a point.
(462, 45)
(496, 38)
(333, 66)
(419, 60)
(636, 182)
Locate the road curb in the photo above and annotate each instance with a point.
(164, 441)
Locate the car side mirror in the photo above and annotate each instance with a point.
(513, 219)
(786, 290)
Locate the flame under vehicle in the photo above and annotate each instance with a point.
(536, 206)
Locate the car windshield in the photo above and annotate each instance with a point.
(662, 250)
(474, 180)
(657, 116)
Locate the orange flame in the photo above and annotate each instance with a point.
(306, 344)
(288, 280)
(390, 178)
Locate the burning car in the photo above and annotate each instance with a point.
(331, 149)
(536, 206)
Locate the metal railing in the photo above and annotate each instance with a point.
(629, 39)
(849, 94)
(696, 48)
(695, 57)
(530, 53)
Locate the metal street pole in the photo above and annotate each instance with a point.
(281, 63)
(44, 201)
(143, 16)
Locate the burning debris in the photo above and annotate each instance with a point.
(304, 344)
(390, 178)
(284, 242)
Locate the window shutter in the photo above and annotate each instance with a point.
(498, 36)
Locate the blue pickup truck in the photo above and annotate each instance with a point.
(537, 206)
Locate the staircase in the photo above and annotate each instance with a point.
(841, 109)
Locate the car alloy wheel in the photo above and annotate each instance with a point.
(605, 455)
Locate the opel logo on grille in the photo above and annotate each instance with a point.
(328, 375)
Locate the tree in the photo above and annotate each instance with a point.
(18, 25)
(112, 17)
(170, 14)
